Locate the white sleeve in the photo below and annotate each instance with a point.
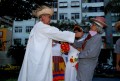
(56, 34)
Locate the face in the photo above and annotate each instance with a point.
(46, 18)
(80, 34)
(93, 27)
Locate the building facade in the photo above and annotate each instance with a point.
(67, 10)
(70, 10)
(21, 30)
(77, 11)
(92, 8)
(6, 21)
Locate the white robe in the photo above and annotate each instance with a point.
(56, 50)
(71, 72)
(37, 63)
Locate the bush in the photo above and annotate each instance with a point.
(17, 53)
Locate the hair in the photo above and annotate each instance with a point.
(77, 28)
(99, 28)
(117, 26)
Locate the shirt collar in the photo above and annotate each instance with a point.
(92, 33)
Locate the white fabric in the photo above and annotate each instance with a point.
(37, 63)
(71, 72)
(56, 50)
(65, 58)
(83, 38)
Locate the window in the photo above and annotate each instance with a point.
(63, 15)
(99, 0)
(102, 8)
(54, 17)
(17, 41)
(92, 9)
(54, 4)
(95, 0)
(96, 9)
(26, 40)
(75, 3)
(28, 29)
(63, 4)
(18, 29)
(115, 18)
(75, 15)
(1, 34)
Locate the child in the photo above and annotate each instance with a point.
(71, 69)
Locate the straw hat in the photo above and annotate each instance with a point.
(43, 10)
(99, 21)
(117, 26)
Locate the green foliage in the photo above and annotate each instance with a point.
(69, 25)
(113, 6)
(17, 53)
(9, 68)
(9, 72)
(64, 25)
(11, 80)
(19, 9)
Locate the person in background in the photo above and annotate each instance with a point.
(117, 47)
(71, 71)
(78, 40)
(91, 47)
(37, 63)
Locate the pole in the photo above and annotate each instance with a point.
(108, 30)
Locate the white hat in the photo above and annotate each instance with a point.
(100, 21)
(43, 10)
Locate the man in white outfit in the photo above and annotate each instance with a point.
(37, 63)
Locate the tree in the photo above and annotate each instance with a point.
(108, 29)
(64, 25)
(113, 6)
(17, 53)
(19, 9)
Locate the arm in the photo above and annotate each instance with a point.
(118, 62)
(117, 51)
(56, 34)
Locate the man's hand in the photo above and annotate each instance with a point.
(79, 49)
